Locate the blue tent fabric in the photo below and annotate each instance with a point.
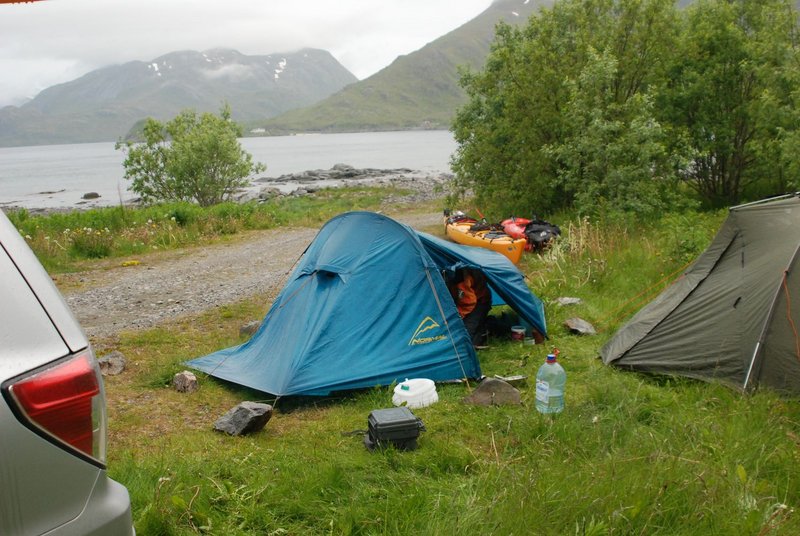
(505, 279)
(366, 305)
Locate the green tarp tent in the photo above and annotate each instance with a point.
(732, 316)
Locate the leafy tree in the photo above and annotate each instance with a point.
(613, 156)
(733, 98)
(192, 157)
(604, 104)
(562, 105)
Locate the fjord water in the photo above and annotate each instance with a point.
(57, 176)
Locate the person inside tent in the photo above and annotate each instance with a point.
(473, 300)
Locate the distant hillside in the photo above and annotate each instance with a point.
(419, 90)
(104, 104)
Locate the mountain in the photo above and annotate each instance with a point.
(419, 90)
(104, 104)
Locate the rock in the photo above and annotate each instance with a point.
(249, 329)
(345, 171)
(246, 418)
(569, 301)
(244, 197)
(185, 382)
(494, 392)
(269, 192)
(90, 195)
(518, 379)
(111, 364)
(578, 326)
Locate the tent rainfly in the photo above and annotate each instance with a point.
(731, 316)
(368, 305)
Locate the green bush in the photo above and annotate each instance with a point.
(182, 213)
(90, 243)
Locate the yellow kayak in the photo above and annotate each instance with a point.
(459, 228)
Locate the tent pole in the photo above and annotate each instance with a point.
(750, 368)
(447, 324)
(767, 200)
(768, 319)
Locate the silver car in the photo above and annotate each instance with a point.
(52, 411)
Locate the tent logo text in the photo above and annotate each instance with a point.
(424, 327)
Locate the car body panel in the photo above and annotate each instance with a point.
(44, 488)
(42, 285)
(27, 335)
(28, 475)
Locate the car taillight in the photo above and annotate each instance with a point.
(66, 404)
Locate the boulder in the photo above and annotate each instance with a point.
(111, 364)
(269, 192)
(185, 382)
(494, 392)
(90, 195)
(579, 326)
(246, 418)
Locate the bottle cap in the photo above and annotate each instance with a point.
(551, 358)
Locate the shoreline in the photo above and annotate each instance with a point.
(423, 184)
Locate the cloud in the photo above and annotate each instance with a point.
(57, 40)
(233, 72)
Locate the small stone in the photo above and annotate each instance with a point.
(90, 195)
(111, 364)
(579, 326)
(246, 418)
(185, 382)
(249, 329)
(494, 392)
(569, 301)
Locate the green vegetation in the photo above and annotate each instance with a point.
(631, 106)
(631, 454)
(62, 241)
(417, 91)
(190, 158)
(633, 115)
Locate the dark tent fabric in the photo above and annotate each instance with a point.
(365, 306)
(730, 317)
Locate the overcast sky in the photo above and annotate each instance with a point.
(53, 41)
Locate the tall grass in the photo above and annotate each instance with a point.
(630, 455)
(62, 240)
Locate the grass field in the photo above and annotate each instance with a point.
(64, 242)
(630, 455)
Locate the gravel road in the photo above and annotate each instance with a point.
(187, 282)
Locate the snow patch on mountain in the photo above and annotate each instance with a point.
(281, 68)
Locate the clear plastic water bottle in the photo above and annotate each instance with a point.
(550, 382)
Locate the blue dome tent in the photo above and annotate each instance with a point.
(367, 305)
